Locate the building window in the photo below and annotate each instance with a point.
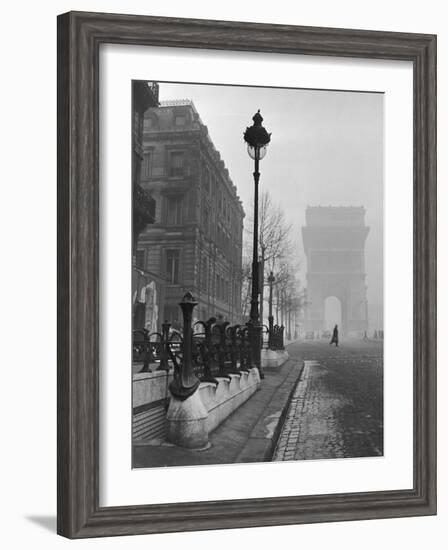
(220, 288)
(177, 159)
(206, 219)
(174, 210)
(146, 166)
(148, 123)
(204, 274)
(206, 177)
(140, 259)
(180, 120)
(172, 266)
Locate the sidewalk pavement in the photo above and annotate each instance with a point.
(248, 435)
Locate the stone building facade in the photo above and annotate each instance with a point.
(334, 239)
(195, 243)
(144, 95)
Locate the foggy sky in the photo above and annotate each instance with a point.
(326, 149)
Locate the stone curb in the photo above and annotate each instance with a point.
(259, 443)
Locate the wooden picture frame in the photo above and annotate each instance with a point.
(79, 38)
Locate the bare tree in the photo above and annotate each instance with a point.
(246, 276)
(274, 239)
(279, 254)
(290, 297)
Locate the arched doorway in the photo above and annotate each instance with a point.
(332, 313)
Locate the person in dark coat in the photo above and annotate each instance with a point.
(335, 337)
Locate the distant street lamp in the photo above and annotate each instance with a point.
(271, 281)
(257, 139)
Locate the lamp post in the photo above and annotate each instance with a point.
(271, 280)
(257, 139)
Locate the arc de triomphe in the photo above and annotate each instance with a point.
(334, 239)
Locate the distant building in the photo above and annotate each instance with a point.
(334, 239)
(144, 95)
(195, 243)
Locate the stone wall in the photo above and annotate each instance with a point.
(221, 400)
(151, 399)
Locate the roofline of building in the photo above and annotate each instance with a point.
(169, 104)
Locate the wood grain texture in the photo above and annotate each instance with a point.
(79, 38)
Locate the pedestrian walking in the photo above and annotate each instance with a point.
(335, 337)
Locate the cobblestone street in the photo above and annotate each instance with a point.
(337, 407)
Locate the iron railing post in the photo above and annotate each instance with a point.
(185, 382)
(164, 347)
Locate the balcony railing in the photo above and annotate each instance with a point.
(144, 209)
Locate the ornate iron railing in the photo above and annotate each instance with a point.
(217, 349)
(156, 350)
(220, 349)
(202, 352)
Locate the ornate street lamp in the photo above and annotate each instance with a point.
(271, 280)
(257, 139)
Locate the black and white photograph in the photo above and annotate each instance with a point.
(257, 274)
(228, 220)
